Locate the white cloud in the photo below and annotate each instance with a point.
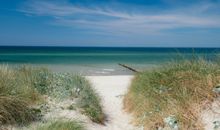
(108, 20)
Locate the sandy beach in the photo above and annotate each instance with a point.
(111, 90)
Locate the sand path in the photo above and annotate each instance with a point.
(111, 89)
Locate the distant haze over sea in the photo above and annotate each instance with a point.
(98, 60)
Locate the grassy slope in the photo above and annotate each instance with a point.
(22, 87)
(17, 93)
(67, 85)
(89, 101)
(180, 89)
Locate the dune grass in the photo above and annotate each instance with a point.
(17, 93)
(14, 110)
(62, 125)
(89, 101)
(68, 85)
(22, 87)
(24, 81)
(179, 90)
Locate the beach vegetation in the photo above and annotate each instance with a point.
(16, 95)
(89, 101)
(173, 95)
(19, 83)
(15, 110)
(22, 87)
(61, 125)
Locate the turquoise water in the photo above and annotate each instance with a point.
(98, 60)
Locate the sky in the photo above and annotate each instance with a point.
(118, 23)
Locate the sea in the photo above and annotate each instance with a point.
(99, 60)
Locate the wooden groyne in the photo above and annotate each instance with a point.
(128, 67)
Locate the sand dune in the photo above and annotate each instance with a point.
(112, 88)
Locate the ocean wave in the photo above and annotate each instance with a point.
(108, 69)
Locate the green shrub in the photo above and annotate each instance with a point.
(63, 85)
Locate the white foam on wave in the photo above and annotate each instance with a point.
(102, 72)
(108, 69)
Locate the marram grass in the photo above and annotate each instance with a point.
(17, 94)
(14, 110)
(61, 125)
(24, 86)
(179, 89)
(89, 101)
(22, 81)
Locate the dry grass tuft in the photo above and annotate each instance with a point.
(14, 110)
(178, 88)
(18, 91)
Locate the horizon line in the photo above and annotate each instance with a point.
(104, 46)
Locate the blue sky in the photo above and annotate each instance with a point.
(150, 23)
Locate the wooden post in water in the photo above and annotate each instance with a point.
(127, 67)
